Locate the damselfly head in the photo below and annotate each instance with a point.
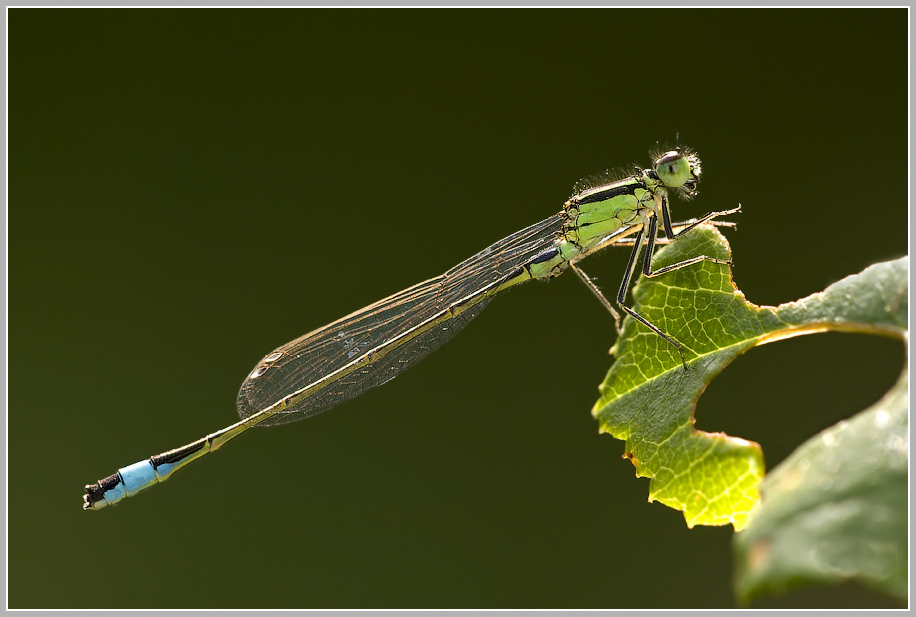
(679, 169)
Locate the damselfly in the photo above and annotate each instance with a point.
(375, 344)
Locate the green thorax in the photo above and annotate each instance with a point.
(595, 212)
(598, 210)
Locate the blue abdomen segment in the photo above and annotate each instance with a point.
(134, 478)
(128, 481)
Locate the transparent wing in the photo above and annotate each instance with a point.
(392, 329)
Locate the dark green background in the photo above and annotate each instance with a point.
(191, 188)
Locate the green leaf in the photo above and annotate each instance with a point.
(836, 509)
(648, 399)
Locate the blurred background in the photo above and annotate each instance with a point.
(191, 188)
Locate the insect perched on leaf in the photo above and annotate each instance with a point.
(375, 344)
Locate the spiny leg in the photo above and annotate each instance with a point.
(650, 239)
(650, 248)
(666, 220)
(625, 287)
(692, 222)
(595, 290)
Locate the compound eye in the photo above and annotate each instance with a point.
(673, 169)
